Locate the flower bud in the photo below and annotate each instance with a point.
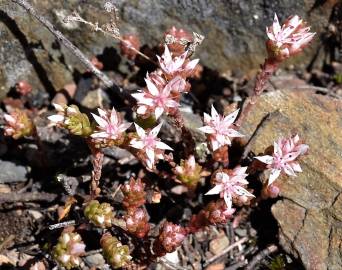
(189, 172)
(137, 222)
(68, 250)
(18, 124)
(128, 42)
(23, 88)
(134, 194)
(99, 214)
(170, 237)
(116, 254)
(72, 119)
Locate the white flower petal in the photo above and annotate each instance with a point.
(100, 121)
(296, 167)
(156, 130)
(164, 146)
(233, 133)
(137, 144)
(214, 113)
(207, 129)
(240, 191)
(265, 159)
(274, 174)
(191, 65)
(100, 135)
(228, 200)
(142, 109)
(152, 88)
(215, 190)
(58, 107)
(114, 119)
(207, 118)
(230, 118)
(56, 118)
(158, 111)
(150, 155)
(140, 131)
(102, 113)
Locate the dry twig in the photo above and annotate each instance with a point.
(226, 250)
(27, 197)
(61, 38)
(261, 255)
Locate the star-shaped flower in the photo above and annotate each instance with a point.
(172, 66)
(285, 154)
(288, 39)
(158, 100)
(110, 125)
(149, 145)
(220, 128)
(231, 186)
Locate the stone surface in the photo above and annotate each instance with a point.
(309, 211)
(29, 52)
(10, 172)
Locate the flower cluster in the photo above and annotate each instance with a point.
(284, 158)
(164, 86)
(68, 250)
(220, 128)
(230, 184)
(288, 39)
(18, 124)
(116, 254)
(100, 214)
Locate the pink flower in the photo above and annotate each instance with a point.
(158, 100)
(110, 125)
(289, 39)
(231, 186)
(149, 145)
(220, 128)
(177, 65)
(284, 157)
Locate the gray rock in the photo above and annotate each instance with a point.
(309, 210)
(234, 30)
(10, 172)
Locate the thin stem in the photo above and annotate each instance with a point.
(97, 161)
(187, 137)
(103, 77)
(267, 69)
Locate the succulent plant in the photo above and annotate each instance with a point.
(68, 250)
(100, 214)
(116, 254)
(134, 194)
